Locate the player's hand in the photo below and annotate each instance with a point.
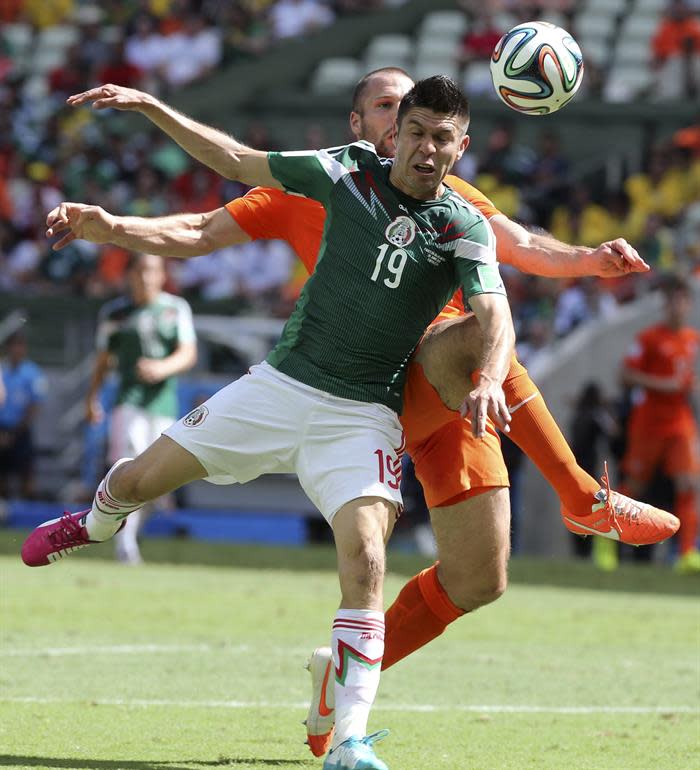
(150, 370)
(91, 223)
(486, 400)
(108, 95)
(615, 258)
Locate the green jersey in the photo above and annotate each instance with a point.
(156, 330)
(386, 267)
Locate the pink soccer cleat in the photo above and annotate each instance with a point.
(56, 538)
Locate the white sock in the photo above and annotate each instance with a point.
(105, 516)
(358, 648)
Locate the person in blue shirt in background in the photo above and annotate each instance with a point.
(24, 386)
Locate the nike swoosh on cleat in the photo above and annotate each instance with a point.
(611, 534)
(323, 709)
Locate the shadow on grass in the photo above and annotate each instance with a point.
(629, 578)
(11, 760)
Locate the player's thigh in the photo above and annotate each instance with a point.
(473, 545)
(128, 429)
(350, 450)
(451, 462)
(249, 428)
(682, 460)
(643, 456)
(449, 352)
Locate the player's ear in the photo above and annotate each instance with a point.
(356, 124)
(463, 146)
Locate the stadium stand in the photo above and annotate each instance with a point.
(646, 188)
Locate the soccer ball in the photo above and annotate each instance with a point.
(536, 68)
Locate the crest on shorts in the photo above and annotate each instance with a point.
(401, 231)
(196, 417)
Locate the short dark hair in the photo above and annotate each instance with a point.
(437, 93)
(361, 86)
(674, 284)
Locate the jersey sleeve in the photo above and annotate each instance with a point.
(634, 357)
(312, 173)
(185, 324)
(265, 213)
(473, 196)
(475, 256)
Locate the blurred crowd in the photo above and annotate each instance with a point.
(50, 153)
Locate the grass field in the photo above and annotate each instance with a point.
(196, 661)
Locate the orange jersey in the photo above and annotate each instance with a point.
(270, 214)
(665, 352)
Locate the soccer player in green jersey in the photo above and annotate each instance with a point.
(148, 337)
(397, 244)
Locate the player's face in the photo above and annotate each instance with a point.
(146, 278)
(428, 144)
(678, 308)
(375, 122)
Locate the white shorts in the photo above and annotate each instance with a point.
(266, 422)
(132, 430)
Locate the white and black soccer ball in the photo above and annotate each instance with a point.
(536, 68)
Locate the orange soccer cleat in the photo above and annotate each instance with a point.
(622, 518)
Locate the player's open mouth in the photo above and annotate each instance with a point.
(424, 168)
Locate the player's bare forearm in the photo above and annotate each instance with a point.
(179, 235)
(152, 370)
(216, 149)
(493, 314)
(634, 378)
(541, 254)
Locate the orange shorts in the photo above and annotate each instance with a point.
(449, 461)
(677, 453)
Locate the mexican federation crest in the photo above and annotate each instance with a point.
(196, 417)
(401, 231)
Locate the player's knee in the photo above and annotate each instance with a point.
(470, 591)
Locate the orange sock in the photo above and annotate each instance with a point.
(534, 430)
(685, 508)
(421, 612)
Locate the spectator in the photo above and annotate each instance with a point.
(582, 302)
(676, 53)
(291, 18)
(116, 69)
(192, 52)
(148, 336)
(25, 388)
(480, 39)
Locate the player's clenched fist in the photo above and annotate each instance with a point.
(108, 95)
(79, 220)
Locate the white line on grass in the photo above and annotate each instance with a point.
(121, 649)
(410, 707)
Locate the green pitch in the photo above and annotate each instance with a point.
(198, 664)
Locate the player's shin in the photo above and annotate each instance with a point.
(420, 613)
(107, 512)
(358, 647)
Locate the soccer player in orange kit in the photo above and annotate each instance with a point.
(464, 479)
(662, 430)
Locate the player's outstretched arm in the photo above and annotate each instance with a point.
(493, 314)
(216, 149)
(541, 254)
(179, 235)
